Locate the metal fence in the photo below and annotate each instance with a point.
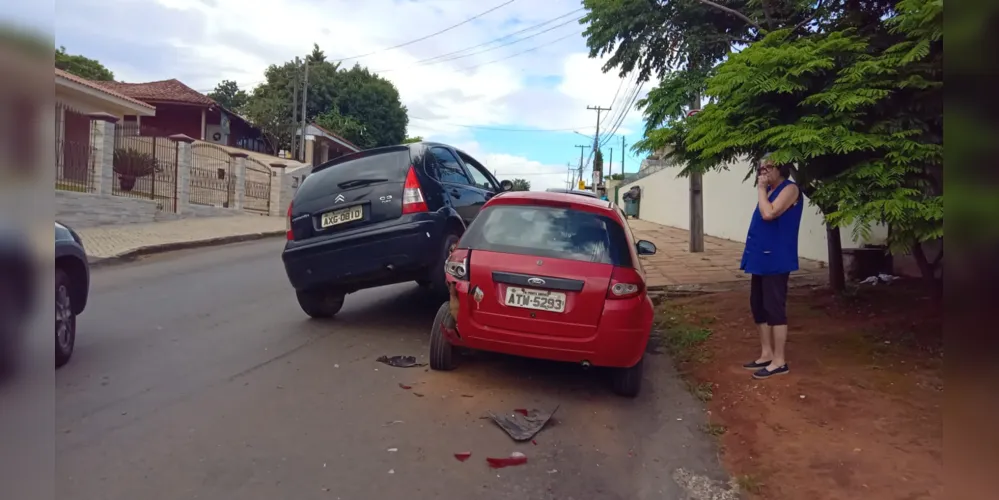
(74, 150)
(144, 165)
(211, 176)
(257, 186)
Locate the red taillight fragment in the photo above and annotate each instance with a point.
(290, 234)
(463, 456)
(515, 459)
(412, 195)
(625, 283)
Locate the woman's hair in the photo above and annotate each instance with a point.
(785, 170)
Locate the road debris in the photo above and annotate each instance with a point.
(516, 458)
(400, 361)
(522, 425)
(417, 394)
(387, 424)
(880, 278)
(392, 450)
(463, 456)
(404, 386)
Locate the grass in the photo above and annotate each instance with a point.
(66, 186)
(715, 430)
(702, 391)
(750, 483)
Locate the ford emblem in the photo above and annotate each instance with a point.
(536, 281)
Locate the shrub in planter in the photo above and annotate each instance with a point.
(131, 164)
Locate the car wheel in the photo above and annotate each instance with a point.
(438, 280)
(628, 381)
(442, 353)
(65, 319)
(320, 304)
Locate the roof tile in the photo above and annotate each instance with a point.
(162, 91)
(98, 86)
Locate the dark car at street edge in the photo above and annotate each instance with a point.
(72, 289)
(381, 216)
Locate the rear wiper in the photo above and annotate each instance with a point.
(359, 182)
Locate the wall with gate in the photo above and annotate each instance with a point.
(109, 174)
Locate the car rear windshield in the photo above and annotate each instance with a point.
(365, 168)
(549, 232)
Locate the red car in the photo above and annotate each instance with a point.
(552, 276)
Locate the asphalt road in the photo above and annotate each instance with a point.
(196, 376)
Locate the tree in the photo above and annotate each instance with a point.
(363, 107)
(229, 95)
(521, 185)
(411, 140)
(82, 66)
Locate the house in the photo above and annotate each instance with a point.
(183, 110)
(322, 145)
(75, 100)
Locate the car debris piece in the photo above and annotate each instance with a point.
(463, 456)
(404, 386)
(400, 361)
(522, 426)
(516, 458)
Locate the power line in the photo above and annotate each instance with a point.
(445, 30)
(624, 115)
(502, 128)
(515, 54)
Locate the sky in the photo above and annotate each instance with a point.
(521, 109)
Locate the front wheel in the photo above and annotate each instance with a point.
(437, 279)
(628, 381)
(320, 304)
(442, 353)
(65, 319)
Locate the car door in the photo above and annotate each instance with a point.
(456, 183)
(482, 181)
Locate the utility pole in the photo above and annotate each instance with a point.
(581, 148)
(568, 175)
(305, 100)
(293, 147)
(596, 138)
(696, 196)
(622, 156)
(610, 162)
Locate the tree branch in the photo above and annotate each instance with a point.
(818, 9)
(766, 13)
(734, 12)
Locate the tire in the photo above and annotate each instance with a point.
(320, 304)
(65, 326)
(628, 381)
(437, 279)
(442, 353)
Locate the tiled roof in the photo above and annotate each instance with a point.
(98, 86)
(162, 91)
(345, 141)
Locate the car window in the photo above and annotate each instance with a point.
(549, 232)
(478, 172)
(448, 167)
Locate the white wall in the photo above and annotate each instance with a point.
(728, 207)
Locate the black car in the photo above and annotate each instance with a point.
(72, 288)
(381, 216)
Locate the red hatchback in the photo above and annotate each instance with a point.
(552, 276)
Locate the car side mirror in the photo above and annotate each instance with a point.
(506, 185)
(646, 247)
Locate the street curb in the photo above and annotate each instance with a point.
(132, 255)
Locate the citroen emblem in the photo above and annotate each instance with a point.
(339, 198)
(540, 262)
(536, 281)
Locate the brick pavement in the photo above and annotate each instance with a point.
(674, 265)
(112, 241)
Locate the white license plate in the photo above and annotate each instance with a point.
(541, 300)
(342, 216)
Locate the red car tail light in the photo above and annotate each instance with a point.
(456, 265)
(412, 195)
(625, 283)
(290, 234)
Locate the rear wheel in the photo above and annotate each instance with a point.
(628, 381)
(320, 304)
(65, 319)
(437, 279)
(443, 355)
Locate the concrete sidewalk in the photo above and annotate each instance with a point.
(673, 265)
(107, 242)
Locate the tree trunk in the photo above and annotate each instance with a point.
(928, 269)
(837, 276)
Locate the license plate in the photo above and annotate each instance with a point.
(541, 300)
(342, 216)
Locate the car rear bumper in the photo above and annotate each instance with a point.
(619, 341)
(364, 258)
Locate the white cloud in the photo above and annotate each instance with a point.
(507, 166)
(203, 42)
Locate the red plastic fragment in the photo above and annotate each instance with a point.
(463, 456)
(521, 411)
(404, 386)
(535, 443)
(499, 463)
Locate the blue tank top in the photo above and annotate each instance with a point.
(772, 246)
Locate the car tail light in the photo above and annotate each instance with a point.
(456, 265)
(412, 195)
(290, 234)
(625, 283)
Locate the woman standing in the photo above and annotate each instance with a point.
(770, 256)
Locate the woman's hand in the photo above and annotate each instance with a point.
(762, 182)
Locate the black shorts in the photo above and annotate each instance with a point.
(768, 298)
